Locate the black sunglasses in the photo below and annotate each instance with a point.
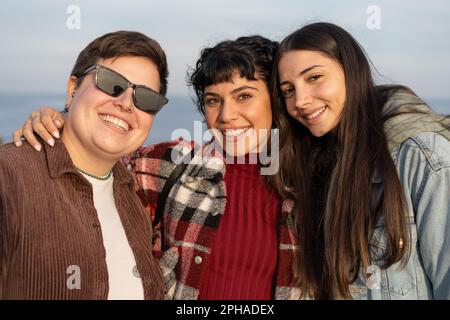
(114, 84)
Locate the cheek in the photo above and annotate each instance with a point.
(267, 112)
(87, 100)
(211, 118)
(290, 106)
(342, 97)
(332, 94)
(335, 90)
(80, 111)
(338, 101)
(267, 119)
(145, 121)
(259, 113)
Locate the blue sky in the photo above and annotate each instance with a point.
(38, 50)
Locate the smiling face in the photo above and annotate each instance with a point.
(103, 128)
(240, 112)
(313, 87)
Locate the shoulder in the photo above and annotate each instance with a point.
(157, 159)
(18, 165)
(12, 157)
(9, 151)
(423, 166)
(430, 148)
(161, 151)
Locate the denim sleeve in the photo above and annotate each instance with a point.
(433, 216)
(429, 181)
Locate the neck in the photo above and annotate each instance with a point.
(84, 159)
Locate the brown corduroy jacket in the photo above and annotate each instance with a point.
(51, 244)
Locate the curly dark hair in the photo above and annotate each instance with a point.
(249, 56)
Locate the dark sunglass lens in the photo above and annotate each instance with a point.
(147, 100)
(111, 82)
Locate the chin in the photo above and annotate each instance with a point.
(114, 153)
(318, 132)
(239, 151)
(114, 150)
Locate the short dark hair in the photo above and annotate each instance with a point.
(120, 44)
(246, 55)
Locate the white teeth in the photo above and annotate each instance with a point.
(315, 114)
(119, 123)
(234, 132)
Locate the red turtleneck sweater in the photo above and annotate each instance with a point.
(243, 259)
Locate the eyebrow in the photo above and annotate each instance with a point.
(243, 88)
(210, 94)
(304, 71)
(232, 91)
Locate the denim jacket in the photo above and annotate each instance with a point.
(423, 166)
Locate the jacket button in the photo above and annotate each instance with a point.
(198, 259)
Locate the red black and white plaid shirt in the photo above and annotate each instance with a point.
(192, 213)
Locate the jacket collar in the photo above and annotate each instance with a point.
(60, 163)
(408, 115)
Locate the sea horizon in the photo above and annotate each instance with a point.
(178, 118)
(179, 113)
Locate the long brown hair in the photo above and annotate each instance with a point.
(331, 176)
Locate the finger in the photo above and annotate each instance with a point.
(59, 120)
(39, 128)
(17, 137)
(29, 135)
(49, 125)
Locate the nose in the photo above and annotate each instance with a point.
(125, 100)
(228, 111)
(303, 97)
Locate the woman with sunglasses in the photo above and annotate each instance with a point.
(71, 224)
(225, 233)
(370, 168)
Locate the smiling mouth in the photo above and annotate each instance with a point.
(234, 132)
(116, 122)
(315, 114)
